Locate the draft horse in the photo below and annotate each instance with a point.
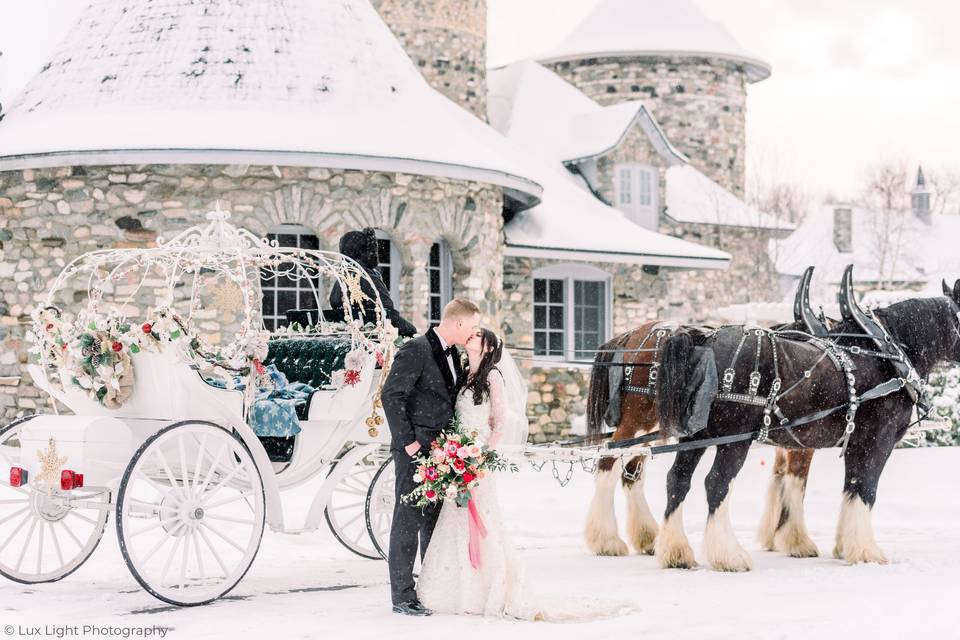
(622, 388)
(855, 392)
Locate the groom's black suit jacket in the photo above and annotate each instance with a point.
(420, 392)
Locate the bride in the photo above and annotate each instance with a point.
(492, 402)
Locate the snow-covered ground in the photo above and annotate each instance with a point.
(308, 586)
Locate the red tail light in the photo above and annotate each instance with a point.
(18, 477)
(70, 480)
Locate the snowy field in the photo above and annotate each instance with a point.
(308, 586)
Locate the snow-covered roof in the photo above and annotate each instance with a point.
(693, 197)
(539, 110)
(888, 248)
(570, 223)
(554, 122)
(657, 28)
(295, 82)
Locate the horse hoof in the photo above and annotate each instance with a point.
(871, 555)
(608, 547)
(678, 558)
(644, 542)
(736, 563)
(797, 547)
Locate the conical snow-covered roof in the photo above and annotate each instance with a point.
(656, 28)
(295, 82)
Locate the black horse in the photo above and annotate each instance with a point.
(814, 377)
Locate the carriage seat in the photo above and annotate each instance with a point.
(308, 360)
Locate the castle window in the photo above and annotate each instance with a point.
(440, 277)
(282, 293)
(388, 263)
(636, 188)
(571, 311)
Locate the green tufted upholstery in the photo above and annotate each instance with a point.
(308, 360)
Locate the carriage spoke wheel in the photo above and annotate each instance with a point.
(190, 513)
(379, 505)
(345, 509)
(44, 536)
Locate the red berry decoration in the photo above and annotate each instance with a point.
(351, 377)
(117, 347)
(147, 327)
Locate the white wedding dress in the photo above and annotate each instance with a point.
(449, 583)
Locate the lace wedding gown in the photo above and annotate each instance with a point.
(449, 583)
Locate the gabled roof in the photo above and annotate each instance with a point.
(541, 111)
(694, 198)
(295, 82)
(555, 123)
(896, 248)
(656, 28)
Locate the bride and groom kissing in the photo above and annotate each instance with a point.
(426, 385)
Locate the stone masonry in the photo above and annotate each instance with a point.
(447, 41)
(700, 103)
(49, 216)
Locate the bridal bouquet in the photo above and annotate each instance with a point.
(454, 465)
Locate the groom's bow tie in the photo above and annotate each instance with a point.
(450, 351)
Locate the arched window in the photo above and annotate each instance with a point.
(281, 293)
(636, 187)
(440, 277)
(388, 263)
(572, 307)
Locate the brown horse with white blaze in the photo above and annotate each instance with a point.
(622, 395)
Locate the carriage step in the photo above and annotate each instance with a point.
(278, 448)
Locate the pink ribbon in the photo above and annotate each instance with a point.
(477, 531)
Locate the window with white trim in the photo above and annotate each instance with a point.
(388, 263)
(637, 194)
(571, 311)
(440, 278)
(283, 293)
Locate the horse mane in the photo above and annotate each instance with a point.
(918, 325)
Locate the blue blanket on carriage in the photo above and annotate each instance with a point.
(274, 410)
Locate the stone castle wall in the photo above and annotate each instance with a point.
(49, 216)
(557, 393)
(700, 103)
(447, 41)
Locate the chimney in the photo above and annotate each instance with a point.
(843, 228)
(920, 198)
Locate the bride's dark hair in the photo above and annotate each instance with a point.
(478, 383)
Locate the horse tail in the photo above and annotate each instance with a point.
(598, 397)
(676, 364)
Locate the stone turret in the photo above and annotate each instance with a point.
(447, 41)
(688, 71)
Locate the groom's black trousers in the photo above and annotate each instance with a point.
(412, 527)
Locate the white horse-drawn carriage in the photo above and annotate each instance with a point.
(162, 369)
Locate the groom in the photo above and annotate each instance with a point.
(418, 399)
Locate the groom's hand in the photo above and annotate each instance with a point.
(412, 448)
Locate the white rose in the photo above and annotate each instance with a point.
(417, 478)
(451, 492)
(444, 468)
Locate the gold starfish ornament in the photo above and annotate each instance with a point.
(354, 289)
(50, 465)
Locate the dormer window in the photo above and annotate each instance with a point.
(636, 193)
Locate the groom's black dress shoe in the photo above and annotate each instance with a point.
(413, 608)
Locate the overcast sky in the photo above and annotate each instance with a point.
(854, 81)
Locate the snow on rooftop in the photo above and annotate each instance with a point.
(274, 81)
(571, 223)
(541, 111)
(653, 27)
(886, 248)
(693, 197)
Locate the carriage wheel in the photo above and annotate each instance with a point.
(41, 538)
(345, 509)
(190, 513)
(379, 507)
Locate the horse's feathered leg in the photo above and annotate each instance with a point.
(865, 459)
(641, 525)
(791, 535)
(600, 533)
(773, 511)
(720, 545)
(672, 548)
